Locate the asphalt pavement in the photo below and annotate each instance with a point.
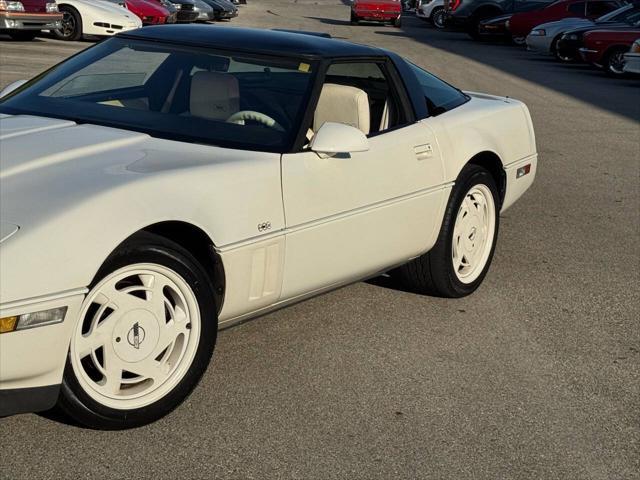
(536, 375)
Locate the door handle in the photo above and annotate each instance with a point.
(423, 151)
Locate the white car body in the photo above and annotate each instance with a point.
(102, 18)
(262, 271)
(632, 58)
(284, 226)
(426, 7)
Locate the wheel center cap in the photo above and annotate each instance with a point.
(136, 335)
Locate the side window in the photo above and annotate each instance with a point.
(577, 8)
(359, 94)
(440, 96)
(597, 9)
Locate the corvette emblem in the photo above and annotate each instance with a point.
(263, 227)
(135, 336)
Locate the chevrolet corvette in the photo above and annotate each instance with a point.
(174, 180)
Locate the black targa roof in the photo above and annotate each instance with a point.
(253, 40)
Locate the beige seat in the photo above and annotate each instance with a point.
(214, 95)
(343, 104)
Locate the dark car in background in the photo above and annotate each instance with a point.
(569, 44)
(606, 49)
(222, 9)
(182, 11)
(520, 24)
(467, 14)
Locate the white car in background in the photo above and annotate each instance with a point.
(431, 10)
(632, 58)
(543, 38)
(94, 17)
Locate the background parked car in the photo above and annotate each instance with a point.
(205, 11)
(222, 9)
(24, 20)
(149, 11)
(606, 48)
(93, 17)
(185, 10)
(495, 27)
(468, 14)
(376, 11)
(522, 23)
(632, 58)
(432, 11)
(543, 38)
(567, 47)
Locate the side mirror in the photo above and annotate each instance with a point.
(11, 87)
(335, 138)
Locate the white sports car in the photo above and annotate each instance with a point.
(94, 17)
(177, 179)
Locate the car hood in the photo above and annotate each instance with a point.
(601, 26)
(104, 7)
(565, 24)
(85, 188)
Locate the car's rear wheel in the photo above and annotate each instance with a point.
(614, 62)
(145, 336)
(397, 22)
(461, 257)
(354, 19)
(71, 28)
(23, 35)
(437, 17)
(519, 40)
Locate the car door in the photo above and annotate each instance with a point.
(351, 215)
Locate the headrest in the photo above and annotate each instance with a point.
(214, 95)
(343, 104)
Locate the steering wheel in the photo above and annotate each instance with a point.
(240, 117)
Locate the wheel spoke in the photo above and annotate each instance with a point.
(113, 368)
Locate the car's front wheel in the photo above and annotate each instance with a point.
(71, 28)
(461, 257)
(354, 19)
(145, 336)
(614, 62)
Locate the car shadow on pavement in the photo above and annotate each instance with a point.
(389, 281)
(330, 21)
(580, 81)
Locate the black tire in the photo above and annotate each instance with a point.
(614, 62)
(437, 17)
(354, 19)
(433, 272)
(71, 24)
(397, 23)
(23, 35)
(148, 248)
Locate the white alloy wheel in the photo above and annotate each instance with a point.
(473, 233)
(137, 336)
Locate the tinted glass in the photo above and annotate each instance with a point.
(577, 8)
(440, 96)
(190, 94)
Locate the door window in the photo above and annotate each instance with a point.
(360, 94)
(577, 8)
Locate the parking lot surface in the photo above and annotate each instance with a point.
(536, 375)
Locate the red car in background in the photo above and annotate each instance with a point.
(149, 11)
(24, 19)
(606, 48)
(376, 11)
(520, 24)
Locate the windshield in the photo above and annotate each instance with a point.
(624, 14)
(182, 93)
